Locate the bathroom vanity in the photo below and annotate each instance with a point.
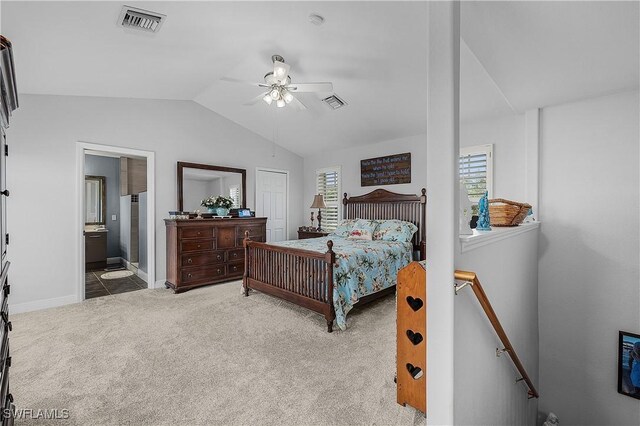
(95, 249)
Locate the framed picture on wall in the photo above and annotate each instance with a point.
(629, 364)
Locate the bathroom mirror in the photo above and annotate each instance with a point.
(95, 200)
(199, 181)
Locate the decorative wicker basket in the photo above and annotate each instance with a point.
(506, 212)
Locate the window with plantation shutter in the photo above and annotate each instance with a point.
(234, 194)
(476, 170)
(328, 185)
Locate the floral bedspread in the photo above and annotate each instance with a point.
(362, 267)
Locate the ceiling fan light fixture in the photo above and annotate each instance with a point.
(279, 70)
(267, 98)
(275, 94)
(280, 103)
(287, 96)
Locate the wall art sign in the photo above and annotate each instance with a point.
(389, 170)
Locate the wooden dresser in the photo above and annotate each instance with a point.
(208, 251)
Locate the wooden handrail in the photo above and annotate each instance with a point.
(472, 278)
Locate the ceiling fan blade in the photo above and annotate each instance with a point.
(296, 104)
(310, 87)
(281, 71)
(256, 99)
(250, 83)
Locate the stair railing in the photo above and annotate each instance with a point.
(471, 279)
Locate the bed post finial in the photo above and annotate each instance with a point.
(330, 313)
(344, 198)
(424, 191)
(245, 276)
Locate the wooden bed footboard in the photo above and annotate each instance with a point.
(299, 276)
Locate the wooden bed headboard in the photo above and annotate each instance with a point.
(383, 204)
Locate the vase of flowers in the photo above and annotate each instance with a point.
(219, 205)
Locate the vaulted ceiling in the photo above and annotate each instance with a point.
(529, 54)
(514, 56)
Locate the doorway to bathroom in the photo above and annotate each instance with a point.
(115, 209)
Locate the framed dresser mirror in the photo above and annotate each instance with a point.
(199, 181)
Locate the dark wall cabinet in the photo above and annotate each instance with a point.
(8, 103)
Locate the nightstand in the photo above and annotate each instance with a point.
(303, 235)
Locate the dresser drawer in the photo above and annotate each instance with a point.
(236, 268)
(226, 237)
(233, 255)
(199, 232)
(254, 230)
(196, 245)
(207, 273)
(203, 258)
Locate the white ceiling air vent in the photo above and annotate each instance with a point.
(140, 19)
(334, 102)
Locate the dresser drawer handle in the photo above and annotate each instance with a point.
(219, 257)
(189, 275)
(198, 245)
(235, 254)
(199, 232)
(189, 260)
(219, 271)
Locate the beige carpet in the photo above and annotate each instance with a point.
(207, 356)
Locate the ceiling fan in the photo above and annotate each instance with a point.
(280, 89)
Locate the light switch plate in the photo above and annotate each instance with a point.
(114, 217)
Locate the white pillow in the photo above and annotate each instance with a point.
(363, 229)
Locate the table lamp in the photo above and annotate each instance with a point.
(318, 203)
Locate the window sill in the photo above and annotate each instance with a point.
(482, 238)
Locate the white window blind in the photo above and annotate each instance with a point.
(328, 185)
(476, 170)
(234, 194)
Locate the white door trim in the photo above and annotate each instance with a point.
(285, 172)
(81, 148)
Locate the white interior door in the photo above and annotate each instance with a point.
(271, 202)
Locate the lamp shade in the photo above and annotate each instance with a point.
(318, 202)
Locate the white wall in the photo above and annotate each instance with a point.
(484, 385)
(349, 159)
(43, 138)
(589, 257)
(507, 134)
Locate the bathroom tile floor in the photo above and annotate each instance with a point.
(95, 286)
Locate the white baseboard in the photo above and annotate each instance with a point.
(142, 274)
(159, 284)
(37, 305)
(112, 260)
(129, 265)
